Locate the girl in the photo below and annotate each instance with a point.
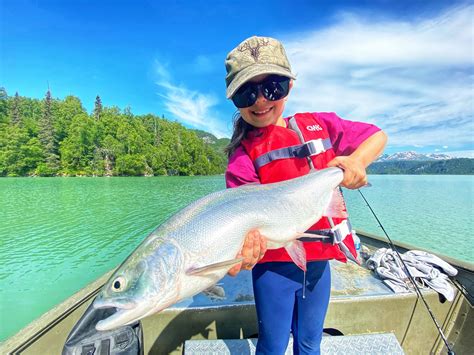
(265, 148)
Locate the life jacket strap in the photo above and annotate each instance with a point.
(335, 235)
(341, 230)
(307, 149)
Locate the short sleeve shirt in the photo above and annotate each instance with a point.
(345, 137)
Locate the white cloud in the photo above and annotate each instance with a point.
(413, 79)
(190, 107)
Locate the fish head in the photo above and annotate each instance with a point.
(147, 282)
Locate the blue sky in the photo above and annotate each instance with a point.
(406, 66)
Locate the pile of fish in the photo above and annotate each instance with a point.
(195, 248)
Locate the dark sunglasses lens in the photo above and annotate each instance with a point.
(273, 89)
(276, 89)
(245, 96)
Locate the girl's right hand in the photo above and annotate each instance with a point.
(255, 246)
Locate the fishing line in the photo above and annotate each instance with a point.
(418, 291)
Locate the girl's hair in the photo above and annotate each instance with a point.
(241, 128)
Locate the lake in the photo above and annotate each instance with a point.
(59, 234)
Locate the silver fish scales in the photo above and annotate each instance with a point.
(195, 248)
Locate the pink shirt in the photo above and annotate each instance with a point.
(345, 137)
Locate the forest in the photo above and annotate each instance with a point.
(53, 137)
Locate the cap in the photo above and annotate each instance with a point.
(252, 57)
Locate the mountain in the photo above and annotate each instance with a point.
(217, 144)
(413, 156)
(452, 166)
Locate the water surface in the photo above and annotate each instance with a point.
(59, 234)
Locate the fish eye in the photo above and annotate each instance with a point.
(119, 284)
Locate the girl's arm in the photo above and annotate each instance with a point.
(354, 165)
(241, 171)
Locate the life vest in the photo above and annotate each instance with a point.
(280, 153)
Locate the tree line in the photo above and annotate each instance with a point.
(53, 137)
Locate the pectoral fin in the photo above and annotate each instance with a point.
(347, 253)
(203, 270)
(297, 253)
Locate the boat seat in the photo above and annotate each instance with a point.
(383, 343)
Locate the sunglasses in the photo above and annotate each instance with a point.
(273, 88)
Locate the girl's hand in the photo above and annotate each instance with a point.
(355, 175)
(255, 246)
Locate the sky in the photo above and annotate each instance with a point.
(406, 66)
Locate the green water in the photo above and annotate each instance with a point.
(59, 234)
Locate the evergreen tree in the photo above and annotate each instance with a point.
(16, 118)
(97, 108)
(46, 136)
(3, 105)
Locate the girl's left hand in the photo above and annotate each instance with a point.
(254, 248)
(355, 175)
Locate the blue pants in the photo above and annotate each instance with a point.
(281, 307)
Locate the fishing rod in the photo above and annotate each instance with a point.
(463, 290)
(417, 289)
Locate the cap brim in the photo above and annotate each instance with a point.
(253, 71)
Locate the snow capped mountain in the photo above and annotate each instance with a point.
(414, 156)
(439, 156)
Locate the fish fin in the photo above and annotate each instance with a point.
(348, 254)
(366, 185)
(296, 251)
(213, 267)
(215, 292)
(312, 235)
(337, 207)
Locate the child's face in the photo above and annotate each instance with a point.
(264, 112)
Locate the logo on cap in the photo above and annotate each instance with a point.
(254, 51)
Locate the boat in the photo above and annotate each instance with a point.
(360, 304)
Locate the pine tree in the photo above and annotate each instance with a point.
(46, 136)
(3, 105)
(97, 108)
(16, 118)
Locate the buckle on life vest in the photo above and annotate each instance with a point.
(317, 146)
(340, 231)
(312, 147)
(335, 235)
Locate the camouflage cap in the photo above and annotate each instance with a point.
(252, 57)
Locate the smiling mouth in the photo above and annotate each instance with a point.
(259, 113)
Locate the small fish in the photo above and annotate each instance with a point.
(195, 248)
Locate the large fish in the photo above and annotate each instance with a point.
(195, 248)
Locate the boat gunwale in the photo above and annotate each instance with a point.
(406, 246)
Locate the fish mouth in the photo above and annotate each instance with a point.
(117, 303)
(122, 316)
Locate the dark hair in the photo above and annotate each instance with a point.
(241, 128)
